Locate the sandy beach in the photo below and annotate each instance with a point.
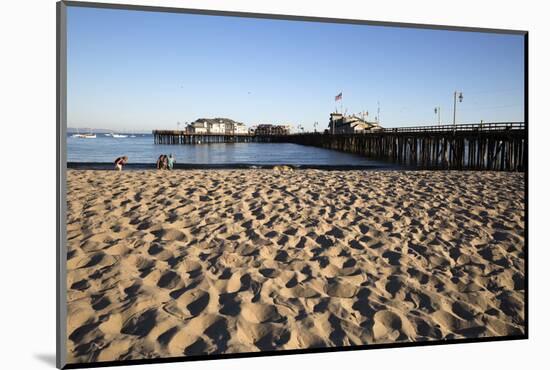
(182, 263)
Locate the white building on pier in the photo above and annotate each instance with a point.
(217, 126)
(340, 124)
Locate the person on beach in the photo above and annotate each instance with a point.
(171, 161)
(162, 162)
(119, 162)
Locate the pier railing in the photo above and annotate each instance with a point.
(474, 127)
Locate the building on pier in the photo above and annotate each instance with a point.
(341, 124)
(217, 126)
(270, 130)
(239, 128)
(197, 127)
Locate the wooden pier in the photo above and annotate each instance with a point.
(488, 146)
(183, 137)
(481, 146)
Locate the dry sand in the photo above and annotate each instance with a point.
(180, 263)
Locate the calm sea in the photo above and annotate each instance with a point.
(142, 149)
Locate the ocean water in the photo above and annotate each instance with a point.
(142, 149)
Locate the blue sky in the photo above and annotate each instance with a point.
(135, 70)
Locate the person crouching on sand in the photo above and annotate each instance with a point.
(119, 162)
(171, 161)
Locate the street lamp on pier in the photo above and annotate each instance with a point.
(437, 110)
(458, 94)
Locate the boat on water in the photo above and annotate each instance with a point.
(89, 135)
(120, 136)
(85, 136)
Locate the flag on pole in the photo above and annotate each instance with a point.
(338, 97)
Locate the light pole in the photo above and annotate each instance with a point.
(315, 126)
(460, 97)
(437, 110)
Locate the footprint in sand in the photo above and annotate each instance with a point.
(356, 245)
(511, 305)
(324, 242)
(282, 256)
(230, 304)
(169, 234)
(260, 313)
(387, 325)
(155, 249)
(283, 240)
(336, 232)
(268, 272)
(341, 290)
(292, 282)
(274, 339)
(199, 304)
(165, 338)
(197, 348)
(351, 262)
(447, 321)
(132, 290)
(337, 335)
(140, 324)
(82, 331)
(100, 302)
(421, 277)
(145, 225)
(463, 311)
(420, 301)
(93, 260)
(81, 285)
(219, 335)
(425, 330)
(394, 285)
(392, 257)
(169, 280)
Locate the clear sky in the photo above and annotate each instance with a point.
(136, 70)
